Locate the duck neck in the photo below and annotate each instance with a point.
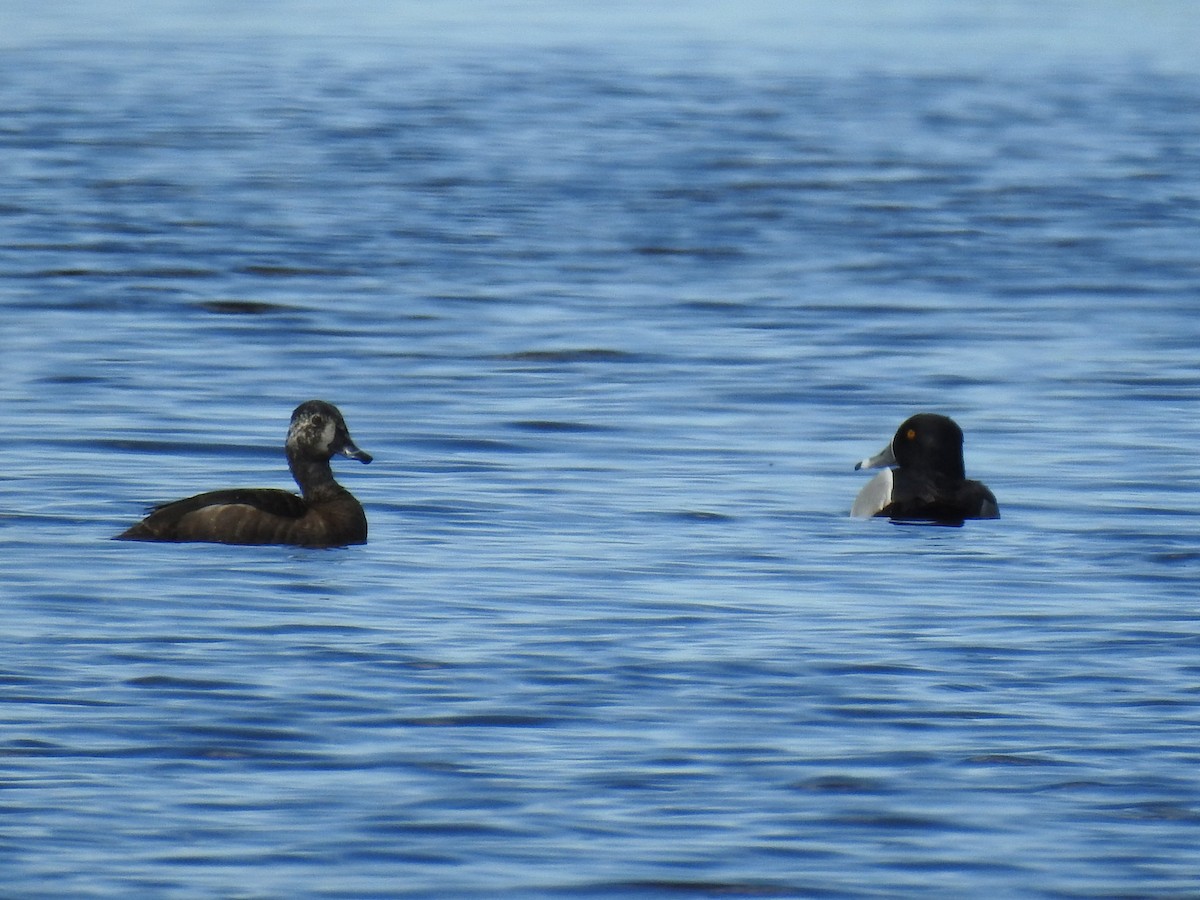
(314, 476)
(949, 473)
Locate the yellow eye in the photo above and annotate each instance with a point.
(912, 433)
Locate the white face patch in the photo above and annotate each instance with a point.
(327, 435)
(305, 433)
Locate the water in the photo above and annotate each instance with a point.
(616, 313)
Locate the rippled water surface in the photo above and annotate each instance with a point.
(616, 319)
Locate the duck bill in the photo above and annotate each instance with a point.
(349, 449)
(884, 457)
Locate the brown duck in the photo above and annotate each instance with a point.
(324, 515)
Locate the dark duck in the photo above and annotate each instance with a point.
(324, 515)
(925, 480)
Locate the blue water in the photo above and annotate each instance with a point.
(616, 309)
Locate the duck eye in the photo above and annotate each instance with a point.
(911, 433)
(318, 422)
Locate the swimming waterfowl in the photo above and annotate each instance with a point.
(324, 515)
(929, 480)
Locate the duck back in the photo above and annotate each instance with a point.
(255, 516)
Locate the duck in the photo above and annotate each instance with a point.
(925, 478)
(325, 514)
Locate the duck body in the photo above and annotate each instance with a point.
(924, 478)
(325, 514)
